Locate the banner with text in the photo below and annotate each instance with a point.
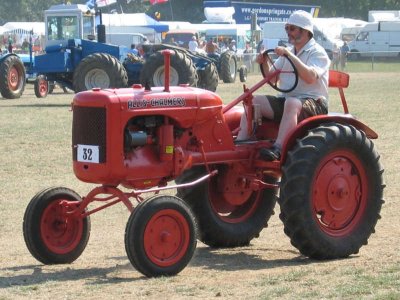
(265, 11)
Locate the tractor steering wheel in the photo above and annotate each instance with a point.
(268, 58)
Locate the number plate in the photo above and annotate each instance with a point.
(88, 153)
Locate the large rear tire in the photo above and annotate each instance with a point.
(160, 236)
(208, 78)
(227, 219)
(228, 67)
(331, 192)
(12, 77)
(99, 70)
(52, 236)
(182, 70)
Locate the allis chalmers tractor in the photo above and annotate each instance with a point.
(141, 138)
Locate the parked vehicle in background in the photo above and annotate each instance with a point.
(223, 34)
(125, 39)
(379, 39)
(74, 59)
(180, 37)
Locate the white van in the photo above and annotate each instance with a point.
(274, 34)
(379, 39)
(125, 39)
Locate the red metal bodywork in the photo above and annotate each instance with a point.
(177, 128)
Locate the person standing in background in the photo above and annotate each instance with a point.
(344, 50)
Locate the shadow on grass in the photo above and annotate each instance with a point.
(37, 276)
(232, 259)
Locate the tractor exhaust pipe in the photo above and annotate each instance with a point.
(167, 62)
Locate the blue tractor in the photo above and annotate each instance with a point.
(74, 59)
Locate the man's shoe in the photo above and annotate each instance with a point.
(270, 154)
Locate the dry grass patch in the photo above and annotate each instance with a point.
(35, 153)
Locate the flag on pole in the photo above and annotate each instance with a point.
(153, 2)
(102, 3)
(90, 3)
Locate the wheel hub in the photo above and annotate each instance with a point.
(166, 237)
(97, 78)
(159, 76)
(337, 194)
(13, 79)
(60, 233)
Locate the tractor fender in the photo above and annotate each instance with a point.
(8, 55)
(312, 122)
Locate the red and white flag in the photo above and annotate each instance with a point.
(101, 3)
(153, 2)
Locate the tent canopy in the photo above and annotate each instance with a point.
(38, 28)
(139, 19)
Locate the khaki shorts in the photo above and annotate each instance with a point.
(311, 107)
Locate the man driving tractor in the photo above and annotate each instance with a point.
(309, 98)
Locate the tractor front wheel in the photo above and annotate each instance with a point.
(99, 70)
(331, 192)
(160, 236)
(51, 234)
(41, 87)
(243, 73)
(227, 214)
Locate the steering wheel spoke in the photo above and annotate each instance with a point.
(268, 57)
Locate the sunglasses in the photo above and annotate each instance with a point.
(291, 28)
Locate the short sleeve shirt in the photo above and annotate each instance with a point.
(312, 55)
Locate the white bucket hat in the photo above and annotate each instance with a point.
(302, 19)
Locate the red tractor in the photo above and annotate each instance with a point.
(329, 177)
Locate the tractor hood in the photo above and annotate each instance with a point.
(185, 105)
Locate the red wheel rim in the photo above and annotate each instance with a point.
(228, 211)
(43, 87)
(60, 233)
(13, 79)
(166, 237)
(340, 191)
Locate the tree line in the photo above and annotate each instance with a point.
(180, 10)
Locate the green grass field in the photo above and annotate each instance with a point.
(35, 153)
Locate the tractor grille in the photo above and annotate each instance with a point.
(89, 128)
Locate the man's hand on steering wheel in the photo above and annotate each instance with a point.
(266, 62)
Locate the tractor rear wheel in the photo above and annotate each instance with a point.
(228, 67)
(99, 70)
(208, 78)
(12, 77)
(51, 235)
(331, 192)
(41, 87)
(227, 217)
(160, 236)
(182, 70)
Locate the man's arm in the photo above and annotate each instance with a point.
(307, 73)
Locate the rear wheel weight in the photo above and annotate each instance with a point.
(160, 236)
(337, 207)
